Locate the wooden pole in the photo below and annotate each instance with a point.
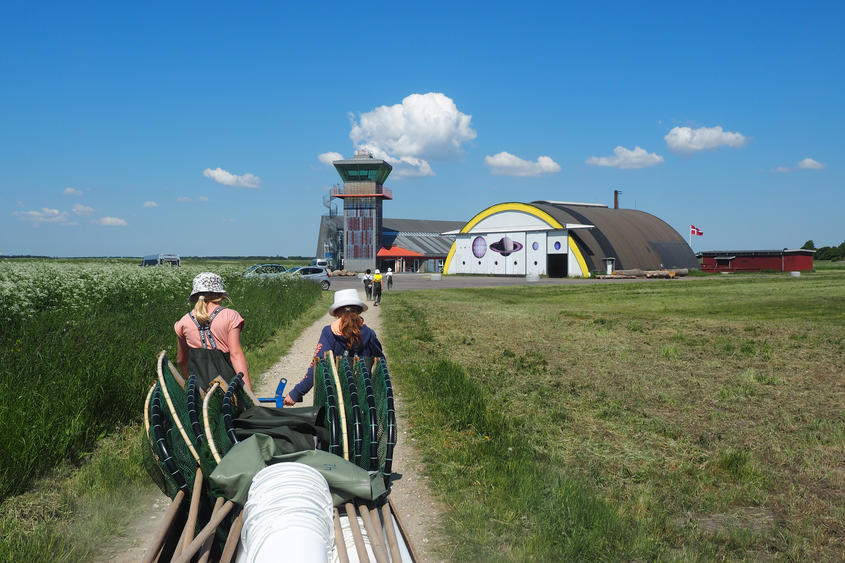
(403, 531)
(169, 517)
(339, 540)
(341, 409)
(375, 539)
(356, 533)
(232, 539)
(188, 553)
(392, 542)
(193, 512)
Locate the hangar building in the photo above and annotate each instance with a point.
(564, 239)
(553, 238)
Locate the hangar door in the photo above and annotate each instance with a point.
(556, 265)
(557, 257)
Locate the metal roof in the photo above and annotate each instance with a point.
(720, 253)
(634, 238)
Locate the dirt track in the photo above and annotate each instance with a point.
(419, 512)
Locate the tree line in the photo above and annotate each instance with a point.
(826, 252)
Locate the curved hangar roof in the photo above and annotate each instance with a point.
(634, 238)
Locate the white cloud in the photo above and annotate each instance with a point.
(184, 199)
(71, 191)
(44, 215)
(82, 210)
(509, 165)
(233, 180)
(688, 140)
(806, 164)
(810, 164)
(625, 159)
(150, 204)
(407, 135)
(110, 222)
(328, 157)
(202, 199)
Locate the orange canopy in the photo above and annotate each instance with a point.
(396, 252)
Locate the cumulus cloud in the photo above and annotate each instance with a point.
(110, 222)
(233, 180)
(688, 140)
(407, 135)
(202, 199)
(82, 210)
(44, 215)
(184, 199)
(71, 191)
(509, 165)
(328, 157)
(810, 164)
(806, 164)
(150, 204)
(625, 159)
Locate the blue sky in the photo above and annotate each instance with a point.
(202, 129)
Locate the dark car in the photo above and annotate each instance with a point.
(318, 274)
(265, 271)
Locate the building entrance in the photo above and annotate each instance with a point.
(556, 265)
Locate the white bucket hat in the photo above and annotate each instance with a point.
(207, 282)
(378, 272)
(346, 298)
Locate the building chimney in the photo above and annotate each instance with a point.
(616, 199)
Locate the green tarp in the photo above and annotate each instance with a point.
(233, 475)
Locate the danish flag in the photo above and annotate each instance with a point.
(693, 230)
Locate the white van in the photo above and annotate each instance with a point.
(161, 259)
(320, 262)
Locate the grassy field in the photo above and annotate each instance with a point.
(698, 419)
(78, 353)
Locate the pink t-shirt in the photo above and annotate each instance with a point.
(226, 321)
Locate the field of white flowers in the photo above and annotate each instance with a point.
(78, 341)
(28, 287)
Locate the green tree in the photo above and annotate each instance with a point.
(809, 245)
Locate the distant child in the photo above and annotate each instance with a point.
(389, 276)
(368, 285)
(377, 287)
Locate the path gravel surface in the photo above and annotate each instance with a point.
(417, 509)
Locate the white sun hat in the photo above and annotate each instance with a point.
(346, 298)
(207, 282)
(377, 271)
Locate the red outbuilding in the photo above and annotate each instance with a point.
(800, 260)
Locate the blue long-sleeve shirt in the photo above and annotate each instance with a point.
(369, 347)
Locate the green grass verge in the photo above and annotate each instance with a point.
(71, 514)
(681, 420)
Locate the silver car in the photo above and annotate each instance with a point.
(318, 274)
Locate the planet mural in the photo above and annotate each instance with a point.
(479, 247)
(506, 246)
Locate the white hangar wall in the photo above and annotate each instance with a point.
(515, 239)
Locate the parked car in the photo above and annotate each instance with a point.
(265, 271)
(161, 259)
(318, 274)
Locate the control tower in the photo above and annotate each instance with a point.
(362, 193)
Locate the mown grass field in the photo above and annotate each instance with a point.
(77, 350)
(699, 419)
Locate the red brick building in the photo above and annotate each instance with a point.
(756, 260)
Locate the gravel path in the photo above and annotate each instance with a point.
(419, 512)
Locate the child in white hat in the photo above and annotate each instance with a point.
(347, 335)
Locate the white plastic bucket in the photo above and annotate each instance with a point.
(288, 516)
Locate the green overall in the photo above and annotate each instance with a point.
(208, 362)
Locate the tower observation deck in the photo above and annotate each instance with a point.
(362, 193)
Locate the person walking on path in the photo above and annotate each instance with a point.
(368, 285)
(377, 280)
(389, 276)
(209, 337)
(346, 336)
